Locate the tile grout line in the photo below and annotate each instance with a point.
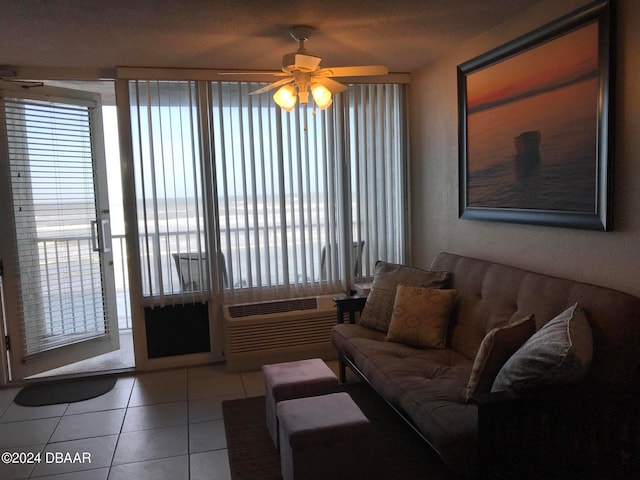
(47, 443)
(188, 430)
(126, 410)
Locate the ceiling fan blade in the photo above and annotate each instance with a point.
(361, 71)
(275, 73)
(272, 86)
(332, 85)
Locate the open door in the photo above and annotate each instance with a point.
(56, 243)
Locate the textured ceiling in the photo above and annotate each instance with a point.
(249, 34)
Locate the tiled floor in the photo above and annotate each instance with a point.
(156, 426)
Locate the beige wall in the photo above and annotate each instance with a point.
(605, 258)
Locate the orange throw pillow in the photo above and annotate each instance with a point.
(420, 316)
(496, 348)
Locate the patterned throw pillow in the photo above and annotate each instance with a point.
(420, 316)
(496, 348)
(559, 353)
(379, 306)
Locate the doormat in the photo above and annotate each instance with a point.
(397, 451)
(67, 391)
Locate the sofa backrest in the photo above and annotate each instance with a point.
(491, 294)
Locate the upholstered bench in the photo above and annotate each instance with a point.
(285, 381)
(321, 438)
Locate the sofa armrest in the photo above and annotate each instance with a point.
(349, 305)
(558, 432)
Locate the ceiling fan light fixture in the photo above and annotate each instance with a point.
(303, 75)
(285, 97)
(321, 95)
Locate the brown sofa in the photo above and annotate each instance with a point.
(554, 432)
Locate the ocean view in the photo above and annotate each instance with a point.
(563, 178)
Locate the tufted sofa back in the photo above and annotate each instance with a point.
(491, 294)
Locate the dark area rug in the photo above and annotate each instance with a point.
(399, 453)
(67, 391)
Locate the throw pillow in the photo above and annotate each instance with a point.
(559, 353)
(378, 308)
(496, 348)
(420, 316)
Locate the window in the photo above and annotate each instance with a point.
(167, 166)
(377, 140)
(278, 193)
(292, 204)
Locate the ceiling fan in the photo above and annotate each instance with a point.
(302, 74)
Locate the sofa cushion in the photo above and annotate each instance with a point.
(378, 308)
(559, 353)
(396, 368)
(420, 316)
(496, 348)
(451, 427)
(428, 384)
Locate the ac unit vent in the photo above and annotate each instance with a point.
(256, 334)
(265, 308)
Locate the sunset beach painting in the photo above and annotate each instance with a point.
(531, 127)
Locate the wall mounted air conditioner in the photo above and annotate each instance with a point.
(261, 333)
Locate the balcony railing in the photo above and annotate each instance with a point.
(58, 285)
(121, 274)
(64, 273)
(163, 270)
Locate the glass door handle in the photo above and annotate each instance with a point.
(94, 236)
(105, 228)
(104, 244)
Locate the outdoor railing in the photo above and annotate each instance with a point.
(67, 281)
(64, 273)
(161, 270)
(121, 274)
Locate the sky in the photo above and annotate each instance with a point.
(556, 63)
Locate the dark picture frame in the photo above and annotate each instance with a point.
(536, 125)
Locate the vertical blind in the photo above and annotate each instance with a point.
(278, 183)
(377, 141)
(168, 180)
(303, 202)
(54, 209)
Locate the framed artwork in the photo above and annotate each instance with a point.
(535, 126)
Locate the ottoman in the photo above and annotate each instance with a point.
(322, 438)
(284, 381)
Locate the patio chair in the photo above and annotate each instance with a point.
(193, 270)
(356, 258)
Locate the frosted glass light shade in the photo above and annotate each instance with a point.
(285, 97)
(321, 95)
